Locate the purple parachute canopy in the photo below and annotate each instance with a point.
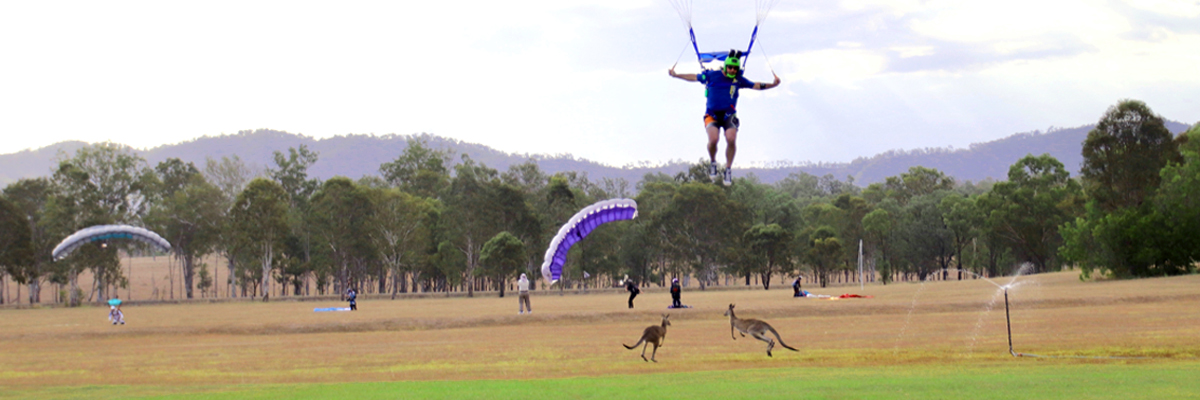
(578, 227)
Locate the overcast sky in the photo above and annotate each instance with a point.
(588, 77)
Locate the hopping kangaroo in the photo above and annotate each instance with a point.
(653, 334)
(755, 328)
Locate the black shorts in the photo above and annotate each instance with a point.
(722, 120)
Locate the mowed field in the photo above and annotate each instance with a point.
(948, 333)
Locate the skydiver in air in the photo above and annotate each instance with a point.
(721, 89)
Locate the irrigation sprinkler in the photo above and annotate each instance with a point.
(1008, 321)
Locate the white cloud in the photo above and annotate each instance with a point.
(1018, 20)
(895, 7)
(843, 67)
(912, 51)
(1177, 8)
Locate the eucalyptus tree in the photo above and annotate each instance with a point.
(1177, 203)
(340, 210)
(823, 251)
(1123, 154)
(16, 244)
(879, 230)
(926, 244)
(962, 217)
(103, 183)
(918, 181)
(647, 241)
(230, 175)
(399, 230)
(534, 185)
(703, 227)
(527, 176)
(419, 170)
(770, 248)
(850, 229)
(502, 257)
(452, 263)
(260, 225)
(1028, 209)
(817, 215)
(1123, 161)
(291, 172)
(517, 213)
(188, 212)
(472, 213)
(767, 204)
(30, 197)
(801, 186)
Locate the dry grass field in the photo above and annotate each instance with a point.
(937, 324)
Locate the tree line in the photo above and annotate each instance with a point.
(427, 224)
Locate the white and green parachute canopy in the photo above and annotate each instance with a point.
(100, 233)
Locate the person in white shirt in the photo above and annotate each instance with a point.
(523, 295)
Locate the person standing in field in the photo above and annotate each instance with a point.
(632, 288)
(353, 297)
(675, 292)
(523, 295)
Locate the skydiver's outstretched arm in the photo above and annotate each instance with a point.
(765, 86)
(686, 77)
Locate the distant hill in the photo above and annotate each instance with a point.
(357, 155)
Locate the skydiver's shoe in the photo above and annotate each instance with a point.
(727, 177)
(712, 172)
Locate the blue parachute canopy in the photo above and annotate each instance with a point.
(708, 60)
(713, 56)
(99, 233)
(578, 227)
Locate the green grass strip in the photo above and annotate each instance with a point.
(1021, 380)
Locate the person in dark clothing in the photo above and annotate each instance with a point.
(796, 287)
(352, 296)
(675, 289)
(632, 288)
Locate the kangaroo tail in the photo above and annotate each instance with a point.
(635, 345)
(781, 343)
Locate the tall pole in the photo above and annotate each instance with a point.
(860, 266)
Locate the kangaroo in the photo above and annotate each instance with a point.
(653, 334)
(755, 328)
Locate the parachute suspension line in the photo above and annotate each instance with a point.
(684, 9)
(761, 9)
(768, 59)
(680, 57)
